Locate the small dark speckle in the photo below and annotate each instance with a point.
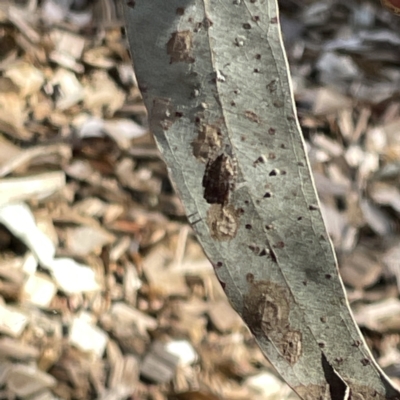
(256, 70)
(233, 104)
(274, 172)
(267, 195)
(180, 11)
(250, 277)
(248, 226)
(243, 138)
(219, 264)
(258, 56)
(131, 3)
(178, 114)
(339, 360)
(207, 23)
(268, 227)
(356, 343)
(273, 20)
(240, 211)
(246, 26)
(283, 146)
(264, 252)
(197, 27)
(254, 248)
(255, 18)
(321, 345)
(328, 276)
(236, 91)
(283, 172)
(312, 207)
(299, 218)
(305, 283)
(259, 160)
(323, 320)
(272, 131)
(246, 202)
(253, 1)
(252, 116)
(365, 362)
(300, 164)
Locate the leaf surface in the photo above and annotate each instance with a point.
(215, 81)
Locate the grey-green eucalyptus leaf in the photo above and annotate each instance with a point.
(215, 81)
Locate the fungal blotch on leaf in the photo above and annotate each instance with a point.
(179, 47)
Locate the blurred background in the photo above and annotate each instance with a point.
(104, 291)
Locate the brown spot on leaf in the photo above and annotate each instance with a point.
(266, 312)
(252, 116)
(291, 346)
(222, 221)
(365, 362)
(272, 86)
(250, 277)
(274, 172)
(260, 160)
(207, 23)
(179, 47)
(208, 141)
(254, 248)
(219, 179)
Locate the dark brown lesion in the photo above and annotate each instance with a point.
(219, 179)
